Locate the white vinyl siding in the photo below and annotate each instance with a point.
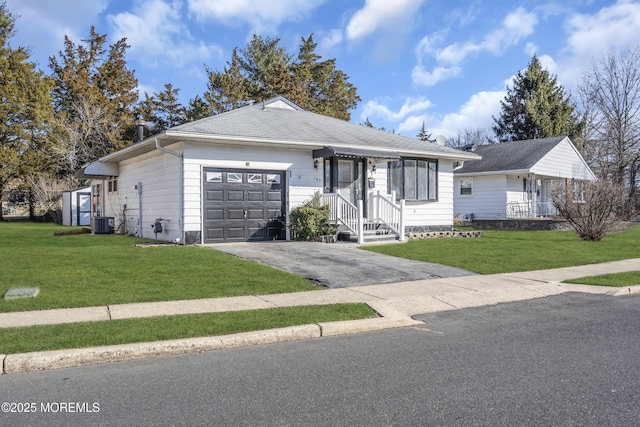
(488, 200)
(563, 161)
(158, 173)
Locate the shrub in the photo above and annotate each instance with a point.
(311, 220)
(594, 214)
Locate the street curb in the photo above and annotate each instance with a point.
(58, 359)
(627, 290)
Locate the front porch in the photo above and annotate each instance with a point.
(383, 218)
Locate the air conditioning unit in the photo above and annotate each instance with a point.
(103, 225)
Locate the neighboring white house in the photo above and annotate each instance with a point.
(237, 175)
(516, 179)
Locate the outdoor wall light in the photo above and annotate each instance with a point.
(316, 162)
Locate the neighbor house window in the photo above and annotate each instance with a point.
(578, 188)
(466, 186)
(414, 179)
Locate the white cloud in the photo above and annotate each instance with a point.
(516, 26)
(376, 14)
(476, 113)
(422, 77)
(156, 33)
(615, 25)
(261, 15)
(374, 109)
(328, 40)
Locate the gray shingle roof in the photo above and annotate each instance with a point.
(253, 122)
(507, 156)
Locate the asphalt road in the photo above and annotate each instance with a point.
(570, 360)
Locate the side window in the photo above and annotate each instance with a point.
(466, 186)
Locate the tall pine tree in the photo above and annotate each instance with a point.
(25, 110)
(264, 69)
(94, 96)
(536, 107)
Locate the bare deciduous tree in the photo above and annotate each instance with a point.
(46, 192)
(610, 94)
(82, 140)
(590, 206)
(468, 137)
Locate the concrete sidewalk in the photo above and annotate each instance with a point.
(395, 302)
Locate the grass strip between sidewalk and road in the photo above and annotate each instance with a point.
(126, 331)
(619, 280)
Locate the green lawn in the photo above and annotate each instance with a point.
(509, 251)
(631, 278)
(90, 334)
(87, 270)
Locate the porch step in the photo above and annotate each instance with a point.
(372, 232)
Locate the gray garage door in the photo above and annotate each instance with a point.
(241, 205)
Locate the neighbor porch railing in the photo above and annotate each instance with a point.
(523, 210)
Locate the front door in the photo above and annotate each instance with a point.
(350, 179)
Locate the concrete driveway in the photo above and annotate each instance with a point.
(338, 265)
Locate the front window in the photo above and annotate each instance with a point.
(414, 179)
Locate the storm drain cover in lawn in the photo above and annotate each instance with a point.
(21, 293)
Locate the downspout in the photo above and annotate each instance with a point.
(181, 186)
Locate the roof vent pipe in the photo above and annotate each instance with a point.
(140, 123)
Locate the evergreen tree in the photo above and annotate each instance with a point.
(168, 110)
(423, 135)
(264, 69)
(536, 107)
(94, 96)
(197, 109)
(25, 111)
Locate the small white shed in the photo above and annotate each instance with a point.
(76, 207)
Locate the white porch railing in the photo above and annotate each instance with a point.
(385, 211)
(382, 210)
(342, 211)
(523, 210)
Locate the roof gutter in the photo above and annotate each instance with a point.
(181, 186)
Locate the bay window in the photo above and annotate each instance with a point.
(414, 179)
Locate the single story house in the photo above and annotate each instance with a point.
(236, 176)
(517, 179)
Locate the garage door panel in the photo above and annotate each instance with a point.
(236, 233)
(235, 214)
(214, 195)
(215, 234)
(257, 233)
(255, 196)
(215, 214)
(235, 195)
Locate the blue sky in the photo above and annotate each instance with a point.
(442, 62)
